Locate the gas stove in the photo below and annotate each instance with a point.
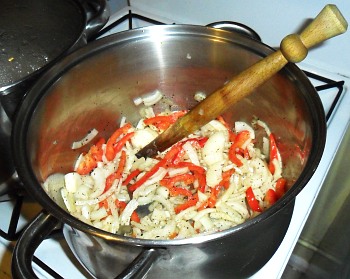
(328, 73)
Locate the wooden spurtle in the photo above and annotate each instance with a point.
(293, 48)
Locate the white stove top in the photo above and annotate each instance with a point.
(271, 21)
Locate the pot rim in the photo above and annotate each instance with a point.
(23, 117)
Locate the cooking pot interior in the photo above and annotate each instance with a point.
(96, 86)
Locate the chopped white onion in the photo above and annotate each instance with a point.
(212, 151)
(152, 98)
(129, 209)
(137, 101)
(72, 181)
(78, 161)
(200, 96)
(191, 153)
(264, 125)
(177, 171)
(117, 183)
(214, 174)
(89, 137)
(143, 137)
(99, 177)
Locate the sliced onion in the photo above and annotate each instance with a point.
(212, 151)
(152, 98)
(72, 181)
(117, 183)
(206, 223)
(214, 174)
(122, 121)
(68, 200)
(264, 125)
(85, 211)
(89, 137)
(202, 213)
(166, 203)
(191, 153)
(137, 101)
(143, 137)
(156, 177)
(176, 171)
(129, 209)
(112, 206)
(200, 96)
(99, 177)
(79, 160)
(98, 214)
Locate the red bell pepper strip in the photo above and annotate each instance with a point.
(87, 165)
(119, 145)
(196, 142)
(192, 201)
(270, 197)
(91, 158)
(204, 205)
(179, 156)
(202, 181)
(96, 150)
(135, 217)
(166, 160)
(190, 166)
(235, 147)
(179, 191)
(169, 183)
(121, 205)
(214, 195)
(162, 122)
(112, 141)
(173, 235)
(131, 176)
(118, 173)
(252, 201)
(273, 153)
(226, 175)
(280, 187)
(185, 178)
(197, 171)
(215, 191)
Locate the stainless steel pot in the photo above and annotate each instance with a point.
(96, 85)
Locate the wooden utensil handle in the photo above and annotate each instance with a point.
(294, 48)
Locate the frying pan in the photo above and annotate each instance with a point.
(34, 35)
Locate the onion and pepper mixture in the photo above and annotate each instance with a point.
(213, 180)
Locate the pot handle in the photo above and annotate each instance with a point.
(139, 267)
(97, 14)
(236, 27)
(29, 241)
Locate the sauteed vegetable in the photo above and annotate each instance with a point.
(211, 181)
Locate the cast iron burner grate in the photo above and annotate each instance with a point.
(13, 232)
